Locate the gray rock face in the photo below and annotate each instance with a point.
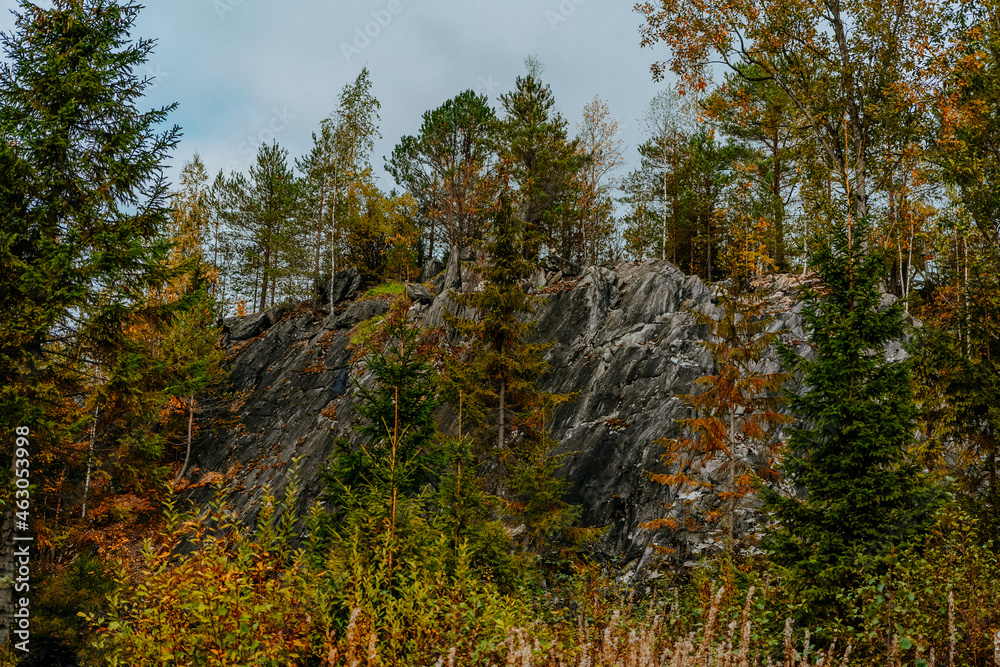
(342, 286)
(357, 312)
(623, 342)
(419, 293)
(430, 271)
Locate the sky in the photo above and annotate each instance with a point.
(246, 72)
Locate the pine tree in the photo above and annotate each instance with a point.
(446, 167)
(709, 174)
(264, 230)
(864, 497)
(542, 161)
(769, 140)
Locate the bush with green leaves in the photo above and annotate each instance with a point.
(236, 598)
(941, 596)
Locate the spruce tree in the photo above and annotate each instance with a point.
(83, 213)
(499, 387)
(864, 498)
(377, 488)
(85, 203)
(397, 413)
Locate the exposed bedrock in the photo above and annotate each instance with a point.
(622, 340)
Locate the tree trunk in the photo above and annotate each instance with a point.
(674, 205)
(319, 238)
(500, 416)
(187, 454)
(663, 247)
(333, 231)
(430, 250)
(264, 276)
(779, 208)
(90, 459)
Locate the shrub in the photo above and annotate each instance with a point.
(233, 600)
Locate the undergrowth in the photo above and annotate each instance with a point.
(240, 597)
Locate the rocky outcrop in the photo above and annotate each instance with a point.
(623, 342)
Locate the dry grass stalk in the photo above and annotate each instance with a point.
(518, 650)
(847, 654)
(352, 631)
(745, 631)
(789, 651)
(951, 629)
(829, 653)
(627, 642)
(706, 643)
(675, 611)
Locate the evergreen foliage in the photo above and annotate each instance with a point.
(541, 159)
(767, 143)
(194, 362)
(109, 295)
(447, 167)
(865, 499)
(84, 201)
(399, 455)
(498, 384)
(263, 232)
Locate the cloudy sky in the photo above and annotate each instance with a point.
(249, 71)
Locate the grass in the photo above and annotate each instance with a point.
(386, 289)
(653, 639)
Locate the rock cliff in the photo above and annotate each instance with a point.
(623, 341)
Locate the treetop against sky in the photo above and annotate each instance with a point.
(246, 73)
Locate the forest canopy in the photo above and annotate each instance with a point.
(855, 145)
